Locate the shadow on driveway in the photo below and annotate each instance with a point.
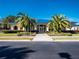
(14, 53)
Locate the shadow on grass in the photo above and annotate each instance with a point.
(14, 53)
(65, 55)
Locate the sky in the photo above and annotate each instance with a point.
(41, 9)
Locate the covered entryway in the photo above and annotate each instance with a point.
(15, 28)
(41, 25)
(41, 28)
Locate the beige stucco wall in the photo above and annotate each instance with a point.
(35, 27)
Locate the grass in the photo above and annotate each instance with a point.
(66, 38)
(59, 34)
(9, 34)
(2, 37)
(75, 34)
(62, 34)
(15, 34)
(16, 38)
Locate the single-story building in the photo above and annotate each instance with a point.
(74, 27)
(41, 26)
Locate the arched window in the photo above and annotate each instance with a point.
(15, 28)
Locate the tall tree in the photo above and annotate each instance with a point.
(59, 23)
(24, 21)
(8, 21)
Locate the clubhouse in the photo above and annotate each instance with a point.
(41, 26)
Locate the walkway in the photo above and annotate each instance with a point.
(42, 37)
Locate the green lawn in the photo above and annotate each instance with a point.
(66, 38)
(75, 34)
(4, 36)
(9, 34)
(16, 38)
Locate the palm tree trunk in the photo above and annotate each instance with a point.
(30, 28)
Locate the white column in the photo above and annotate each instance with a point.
(47, 28)
(12, 27)
(39, 28)
(35, 27)
(23, 29)
(18, 28)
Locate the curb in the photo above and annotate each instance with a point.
(15, 40)
(65, 40)
(40, 41)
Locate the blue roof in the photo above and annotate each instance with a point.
(42, 20)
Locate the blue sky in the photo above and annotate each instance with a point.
(41, 8)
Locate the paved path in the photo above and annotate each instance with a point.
(42, 37)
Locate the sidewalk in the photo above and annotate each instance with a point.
(65, 40)
(42, 37)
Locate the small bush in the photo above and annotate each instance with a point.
(26, 33)
(19, 34)
(34, 31)
(23, 33)
(11, 31)
(66, 34)
(70, 31)
(33, 34)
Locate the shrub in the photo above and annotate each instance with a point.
(11, 31)
(33, 34)
(23, 33)
(70, 31)
(34, 31)
(66, 34)
(26, 33)
(19, 34)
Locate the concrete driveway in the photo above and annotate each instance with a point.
(39, 50)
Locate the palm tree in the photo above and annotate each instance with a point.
(59, 23)
(22, 20)
(32, 23)
(8, 21)
(25, 21)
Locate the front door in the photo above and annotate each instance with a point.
(41, 28)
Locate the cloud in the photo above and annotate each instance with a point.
(74, 20)
(70, 19)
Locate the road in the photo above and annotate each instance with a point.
(39, 50)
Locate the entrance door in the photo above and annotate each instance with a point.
(41, 28)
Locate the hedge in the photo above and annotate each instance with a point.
(11, 31)
(26, 34)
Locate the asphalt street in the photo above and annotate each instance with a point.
(39, 50)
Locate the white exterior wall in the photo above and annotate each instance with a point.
(18, 28)
(47, 28)
(12, 28)
(23, 29)
(35, 27)
(73, 28)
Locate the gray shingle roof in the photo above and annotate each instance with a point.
(42, 21)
